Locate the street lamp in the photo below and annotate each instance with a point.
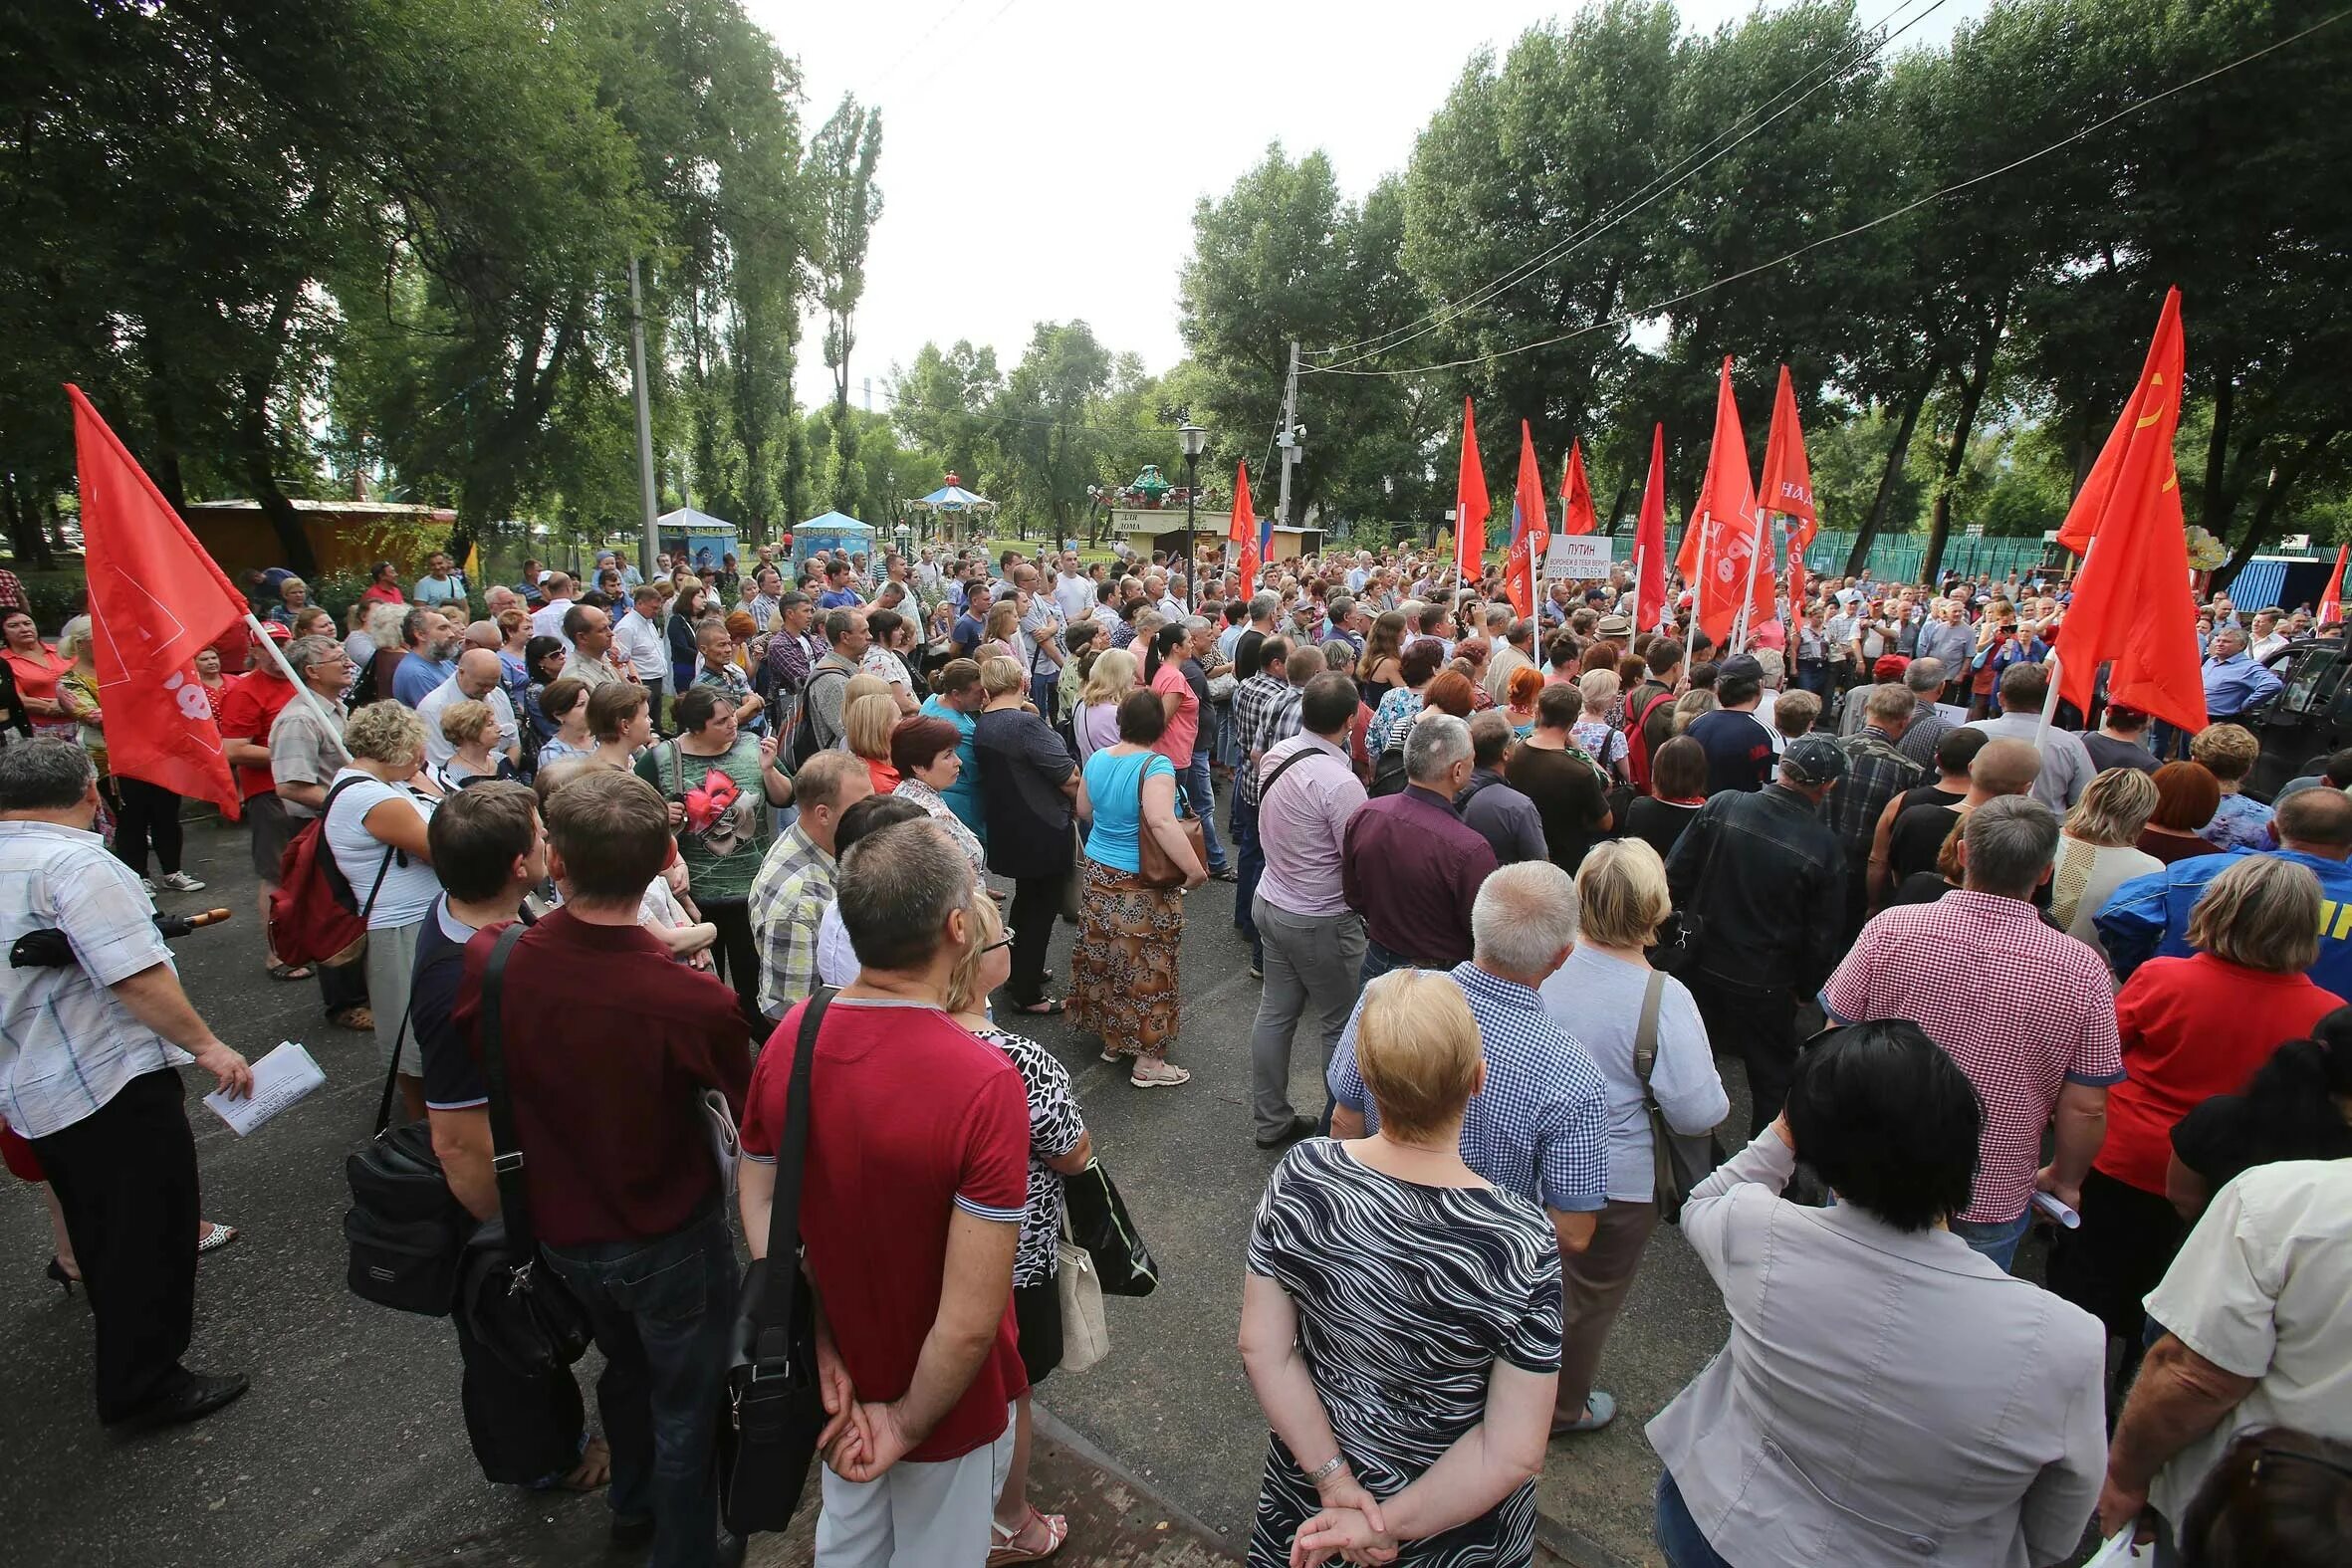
(1195, 440)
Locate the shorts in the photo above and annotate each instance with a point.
(1037, 1319)
(274, 829)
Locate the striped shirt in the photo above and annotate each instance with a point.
(67, 1044)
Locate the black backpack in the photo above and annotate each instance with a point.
(806, 742)
(1388, 772)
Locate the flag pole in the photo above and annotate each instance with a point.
(302, 689)
(1699, 588)
(1754, 553)
(2049, 701)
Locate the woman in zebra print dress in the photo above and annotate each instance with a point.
(1400, 1320)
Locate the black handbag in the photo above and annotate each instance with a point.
(774, 1410)
(1679, 1160)
(404, 1226)
(1099, 1222)
(520, 1311)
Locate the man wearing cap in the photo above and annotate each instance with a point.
(1764, 880)
(1885, 670)
(1876, 773)
(1614, 628)
(1738, 746)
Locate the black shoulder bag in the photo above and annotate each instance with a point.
(774, 1410)
(524, 1313)
(1679, 1162)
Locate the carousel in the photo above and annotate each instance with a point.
(956, 514)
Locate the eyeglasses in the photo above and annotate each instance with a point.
(1004, 941)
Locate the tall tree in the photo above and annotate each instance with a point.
(843, 157)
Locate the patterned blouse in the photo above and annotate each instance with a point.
(1054, 1128)
(933, 801)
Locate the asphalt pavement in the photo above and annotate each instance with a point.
(351, 1448)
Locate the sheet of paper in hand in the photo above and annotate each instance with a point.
(281, 1078)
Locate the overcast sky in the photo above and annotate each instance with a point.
(1041, 157)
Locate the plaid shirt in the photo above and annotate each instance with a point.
(1265, 711)
(12, 591)
(787, 902)
(1876, 773)
(2022, 1008)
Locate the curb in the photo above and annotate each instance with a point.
(1054, 1430)
(1572, 1548)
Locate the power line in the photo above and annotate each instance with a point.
(1643, 312)
(1872, 44)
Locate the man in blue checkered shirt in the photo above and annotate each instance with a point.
(1539, 1128)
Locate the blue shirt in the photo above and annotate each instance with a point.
(1116, 787)
(962, 796)
(414, 678)
(2239, 823)
(2236, 684)
(2148, 917)
(838, 598)
(1540, 1128)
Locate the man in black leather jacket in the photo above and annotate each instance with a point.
(1766, 879)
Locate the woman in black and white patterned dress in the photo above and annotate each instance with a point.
(1400, 1320)
(1057, 1145)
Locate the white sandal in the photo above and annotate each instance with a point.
(1164, 1075)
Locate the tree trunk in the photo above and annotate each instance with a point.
(1859, 556)
(1972, 398)
(254, 453)
(25, 534)
(2283, 479)
(2218, 504)
(1617, 508)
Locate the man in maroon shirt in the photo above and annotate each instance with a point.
(915, 1177)
(1409, 865)
(616, 1152)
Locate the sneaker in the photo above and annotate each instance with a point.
(181, 882)
(149, 883)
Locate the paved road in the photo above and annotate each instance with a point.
(351, 1448)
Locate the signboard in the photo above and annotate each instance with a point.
(1577, 555)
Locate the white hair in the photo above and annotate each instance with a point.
(1524, 918)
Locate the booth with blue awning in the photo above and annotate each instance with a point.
(834, 530)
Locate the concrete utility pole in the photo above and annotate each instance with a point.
(1288, 441)
(647, 546)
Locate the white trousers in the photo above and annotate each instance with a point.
(915, 1515)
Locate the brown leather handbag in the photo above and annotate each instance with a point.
(1154, 868)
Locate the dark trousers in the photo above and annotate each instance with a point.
(146, 815)
(2107, 1268)
(126, 1176)
(525, 1430)
(1249, 867)
(1760, 1030)
(1037, 904)
(1378, 961)
(344, 985)
(738, 958)
(661, 1311)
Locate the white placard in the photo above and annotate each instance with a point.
(1577, 555)
(1951, 714)
(281, 1078)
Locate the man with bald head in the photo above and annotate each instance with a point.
(2148, 917)
(478, 678)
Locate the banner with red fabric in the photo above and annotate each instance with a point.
(1577, 514)
(1529, 522)
(1649, 541)
(1786, 487)
(156, 600)
(2331, 600)
(1470, 504)
(1725, 530)
(1242, 531)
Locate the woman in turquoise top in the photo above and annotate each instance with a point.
(957, 696)
(1123, 969)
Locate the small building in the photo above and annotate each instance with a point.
(344, 536)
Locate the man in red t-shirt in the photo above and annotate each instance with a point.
(248, 707)
(915, 1177)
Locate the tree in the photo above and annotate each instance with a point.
(842, 161)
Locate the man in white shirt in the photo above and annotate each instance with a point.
(548, 620)
(642, 639)
(1074, 590)
(2267, 638)
(476, 679)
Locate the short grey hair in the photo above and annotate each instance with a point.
(896, 889)
(2009, 845)
(1524, 918)
(46, 774)
(1890, 702)
(1924, 677)
(1434, 744)
(1264, 604)
(303, 652)
(1194, 625)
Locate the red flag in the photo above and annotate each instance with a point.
(1724, 524)
(1243, 530)
(2331, 601)
(1528, 520)
(155, 600)
(2132, 602)
(1649, 541)
(1576, 495)
(1787, 485)
(1470, 505)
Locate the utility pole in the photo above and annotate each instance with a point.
(649, 544)
(1288, 441)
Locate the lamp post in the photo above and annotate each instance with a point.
(1195, 440)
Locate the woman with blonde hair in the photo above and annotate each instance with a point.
(2239, 821)
(2098, 848)
(386, 649)
(1603, 738)
(1059, 1146)
(1096, 725)
(999, 634)
(1687, 709)
(866, 724)
(1385, 1263)
(1602, 996)
(378, 807)
(2192, 1028)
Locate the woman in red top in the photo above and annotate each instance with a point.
(37, 667)
(2193, 1027)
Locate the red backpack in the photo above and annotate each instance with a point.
(1637, 745)
(315, 917)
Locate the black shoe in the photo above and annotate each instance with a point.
(632, 1532)
(1300, 1127)
(194, 1400)
(731, 1549)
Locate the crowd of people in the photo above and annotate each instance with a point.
(1520, 884)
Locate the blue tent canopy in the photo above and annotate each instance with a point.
(834, 530)
(955, 498)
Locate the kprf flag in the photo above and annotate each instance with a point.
(2132, 602)
(1528, 522)
(1649, 541)
(1786, 487)
(1575, 495)
(1725, 530)
(2331, 603)
(1469, 503)
(1244, 531)
(156, 600)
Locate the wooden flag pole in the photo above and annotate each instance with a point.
(302, 690)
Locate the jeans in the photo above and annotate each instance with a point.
(1200, 799)
(1996, 1242)
(1312, 962)
(1378, 961)
(662, 1311)
(1250, 865)
(1678, 1532)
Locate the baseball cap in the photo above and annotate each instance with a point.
(276, 632)
(1890, 667)
(1740, 666)
(1813, 760)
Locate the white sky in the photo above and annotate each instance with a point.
(1041, 157)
